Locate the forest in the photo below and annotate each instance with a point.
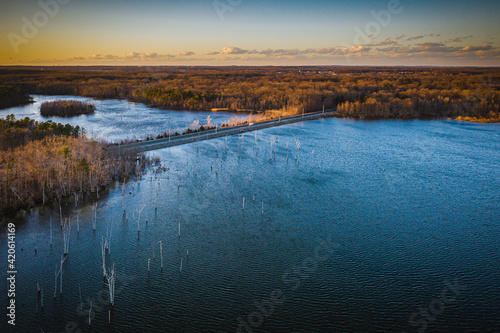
(45, 162)
(13, 96)
(14, 133)
(360, 92)
(66, 108)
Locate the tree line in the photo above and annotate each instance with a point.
(17, 132)
(66, 108)
(13, 96)
(370, 92)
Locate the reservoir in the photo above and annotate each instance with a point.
(332, 225)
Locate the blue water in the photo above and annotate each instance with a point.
(367, 227)
(115, 120)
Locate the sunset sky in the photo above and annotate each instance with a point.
(244, 32)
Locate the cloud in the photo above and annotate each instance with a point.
(328, 50)
(285, 52)
(127, 56)
(267, 52)
(470, 48)
(415, 38)
(400, 37)
(430, 44)
(291, 52)
(442, 48)
(145, 56)
(459, 39)
(421, 36)
(468, 52)
(304, 52)
(394, 50)
(433, 47)
(387, 48)
(381, 51)
(332, 51)
(187, 53)
(358, 48)
(387, 41)
(131, 55)
(102, 57)
(233, 50)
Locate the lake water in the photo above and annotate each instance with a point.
(372, 226)
(115, 120)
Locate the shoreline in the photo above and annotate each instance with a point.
(232, 111)
(149, 105)
(478, 120)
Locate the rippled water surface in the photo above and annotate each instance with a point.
(115, 120)
(386, 226)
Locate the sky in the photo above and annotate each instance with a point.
(250, 32)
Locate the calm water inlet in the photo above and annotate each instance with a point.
(116, 120)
